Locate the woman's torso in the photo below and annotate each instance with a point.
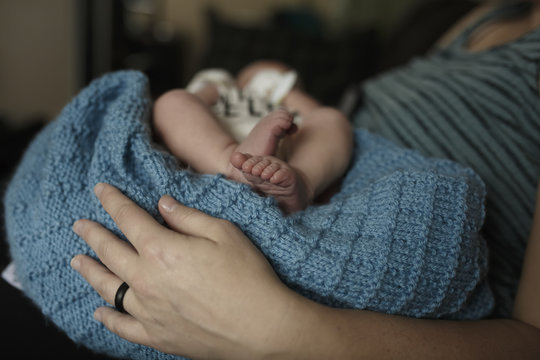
(475, 100)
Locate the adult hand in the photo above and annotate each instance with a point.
(202, 290)
(198, 289)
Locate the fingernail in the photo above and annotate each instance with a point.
(98, 189)
(167, 203)
(75, 263)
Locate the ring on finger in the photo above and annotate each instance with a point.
(119, 297)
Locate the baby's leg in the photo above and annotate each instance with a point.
(322, 147)
(193, 134)
(318, 156)
(191, 131)
(264, 138)
(255, 159)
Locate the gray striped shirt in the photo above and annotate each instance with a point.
(481, 109)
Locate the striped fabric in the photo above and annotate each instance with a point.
(481, 109)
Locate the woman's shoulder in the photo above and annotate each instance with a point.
(492, 34)
(468, 20)
(506, 27)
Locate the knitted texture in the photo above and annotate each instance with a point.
(482, 110)
(400, 237)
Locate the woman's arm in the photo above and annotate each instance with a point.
(349, 334)
(202, 290)
(384, 336)
(527, 305)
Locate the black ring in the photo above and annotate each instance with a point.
(119, 297)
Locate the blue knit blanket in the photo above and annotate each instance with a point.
(401, 236)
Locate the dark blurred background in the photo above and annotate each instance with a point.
(50, 49)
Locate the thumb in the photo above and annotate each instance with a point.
(187, 220)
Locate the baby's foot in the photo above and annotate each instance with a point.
(265, 136)
(273, 177)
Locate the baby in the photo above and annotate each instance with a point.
(294, 161)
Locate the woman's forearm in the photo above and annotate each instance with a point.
(200, 289)
(328, 333)
(527, 305)
(350, 334)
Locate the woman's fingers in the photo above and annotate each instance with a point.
(134, 222)
(116, 254)
(123, 325)
(103, 281)
(189, 221)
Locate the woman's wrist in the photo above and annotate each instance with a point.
(303, 330)
(314, 331)
(290, 336)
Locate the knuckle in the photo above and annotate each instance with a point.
(103, 287)
(103, 249)
(140, 286)
(147, 290)
(186, 215)
(122, 212)
(151, 248)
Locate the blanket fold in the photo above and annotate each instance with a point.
(401, 236)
